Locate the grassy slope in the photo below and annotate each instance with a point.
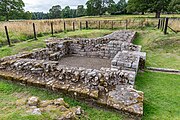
(162, 95)
(162, 50)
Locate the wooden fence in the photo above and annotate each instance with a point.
(35, 29)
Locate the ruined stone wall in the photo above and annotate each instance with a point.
(111, 87)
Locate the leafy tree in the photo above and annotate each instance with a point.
(80, 11)
(94, 7)
(174, 6)
(11, 7)
(27, 15)
(158, 6)
(110, 6)
(90, 7)
(121, 6)
(137, 6)
(55, 11)
(40, 15)
(99, 7)
(66, 12)
(73, 13)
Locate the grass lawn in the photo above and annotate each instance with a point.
(162, 95)
(10, 92)
(161, 91)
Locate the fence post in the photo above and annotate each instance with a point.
(73, 26)
(34, 29)
(99, 24)
(52, 32)
(159, 23)
(126, 24)
(166, 26)
(112, 25)
(80, 25)
(86, 24)
(163, 21)
(64, 26)
(7, 35)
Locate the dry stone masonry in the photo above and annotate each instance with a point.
(111, 87)
(57, 109)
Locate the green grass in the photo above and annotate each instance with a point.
(161, 91)
(40, 43)
(162, 95)
(162, 50)
(9, 111)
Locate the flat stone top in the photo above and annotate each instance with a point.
(85, 62)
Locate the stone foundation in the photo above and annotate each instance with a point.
(111, 87)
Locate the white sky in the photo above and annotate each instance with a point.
(45, 5)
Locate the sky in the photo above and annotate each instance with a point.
(45, 5)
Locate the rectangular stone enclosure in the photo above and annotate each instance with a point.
(100, 70)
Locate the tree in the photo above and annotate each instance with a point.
(99, 7)
(94, 7)
(27, 15)
(137, 6)
(174, 6)
(80, 11)
(55, 11)
(73, 13)
(121, 6)
(158, 6)
(90, 7)
(11, 7)
(109, 6)
(40, 15)
(66, 12)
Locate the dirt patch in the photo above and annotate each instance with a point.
(86, 62)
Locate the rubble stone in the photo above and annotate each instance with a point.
(107, 86)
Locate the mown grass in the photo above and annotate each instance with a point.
(163, 51)
(162, 95)
(161, 91)
(9, 111)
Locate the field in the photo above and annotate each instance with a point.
(161, 89)
(23, 30)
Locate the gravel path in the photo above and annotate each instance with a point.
(86, 62)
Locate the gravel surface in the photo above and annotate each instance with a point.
(86, 62)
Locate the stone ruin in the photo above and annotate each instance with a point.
(110, 84)
(56, 109)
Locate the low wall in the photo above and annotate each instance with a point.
(110, 87)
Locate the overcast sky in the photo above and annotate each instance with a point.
(45, 5)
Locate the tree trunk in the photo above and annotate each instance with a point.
(158, 14)
(142, 13)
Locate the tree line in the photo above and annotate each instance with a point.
(13, 9)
